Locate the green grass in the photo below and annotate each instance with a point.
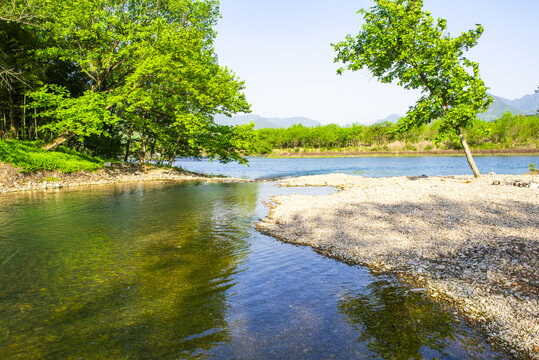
(28, 156)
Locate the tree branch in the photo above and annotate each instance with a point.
(20, 13)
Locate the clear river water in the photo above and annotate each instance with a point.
(271, 168)
(177, 271)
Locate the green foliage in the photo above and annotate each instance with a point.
(30, 157)
(510, 131)
(134, 77)
(399, 41)
(84, 115)
(532, 167)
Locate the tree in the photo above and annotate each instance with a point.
(19, 12)
(400, 41)
(154, 81)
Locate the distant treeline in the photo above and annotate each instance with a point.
(510, 131)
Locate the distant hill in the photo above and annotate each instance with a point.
(497, 108)
(261, 122)
(526, 105)
(393, 118)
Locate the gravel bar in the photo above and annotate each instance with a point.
(469, 243)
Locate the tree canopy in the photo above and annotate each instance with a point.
(151, 81)
(399, 41)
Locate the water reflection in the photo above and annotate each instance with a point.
(177, 271)
(133, 273)
(396, 323)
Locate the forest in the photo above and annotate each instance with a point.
(118, 79)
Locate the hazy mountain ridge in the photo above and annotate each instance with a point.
(498, 107)
(262, 122)
(526, 105)
(393, 118)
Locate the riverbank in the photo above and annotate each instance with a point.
(291, 153)
(472, 244)
(12, 180)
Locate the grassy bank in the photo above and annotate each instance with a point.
(30, 157)
(24, 166)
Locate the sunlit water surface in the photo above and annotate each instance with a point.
(271, 168)
(177, 271)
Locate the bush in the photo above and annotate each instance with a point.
(410, 147)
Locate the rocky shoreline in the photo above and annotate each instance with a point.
(11, 180)
(472, 244)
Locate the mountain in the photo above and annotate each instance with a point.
(526, 105)
(261, 122)
(393, 118)
(497, 108)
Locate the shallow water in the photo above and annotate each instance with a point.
(271, 168)
(177, 271)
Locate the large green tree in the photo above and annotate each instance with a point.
(153, 78)
(399, 41)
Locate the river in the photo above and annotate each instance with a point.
(271, 168)
(177, 271)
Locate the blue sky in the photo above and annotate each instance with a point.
(281, 49)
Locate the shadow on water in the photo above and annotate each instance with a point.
(396, 323)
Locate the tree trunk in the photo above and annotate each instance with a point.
(173, 156)
(127, 146)
(152, 149)
(64, 137)
(23, 134)
(142, 150)
(468, 153)
(35, 121)
(12, 128)
(162, 156)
